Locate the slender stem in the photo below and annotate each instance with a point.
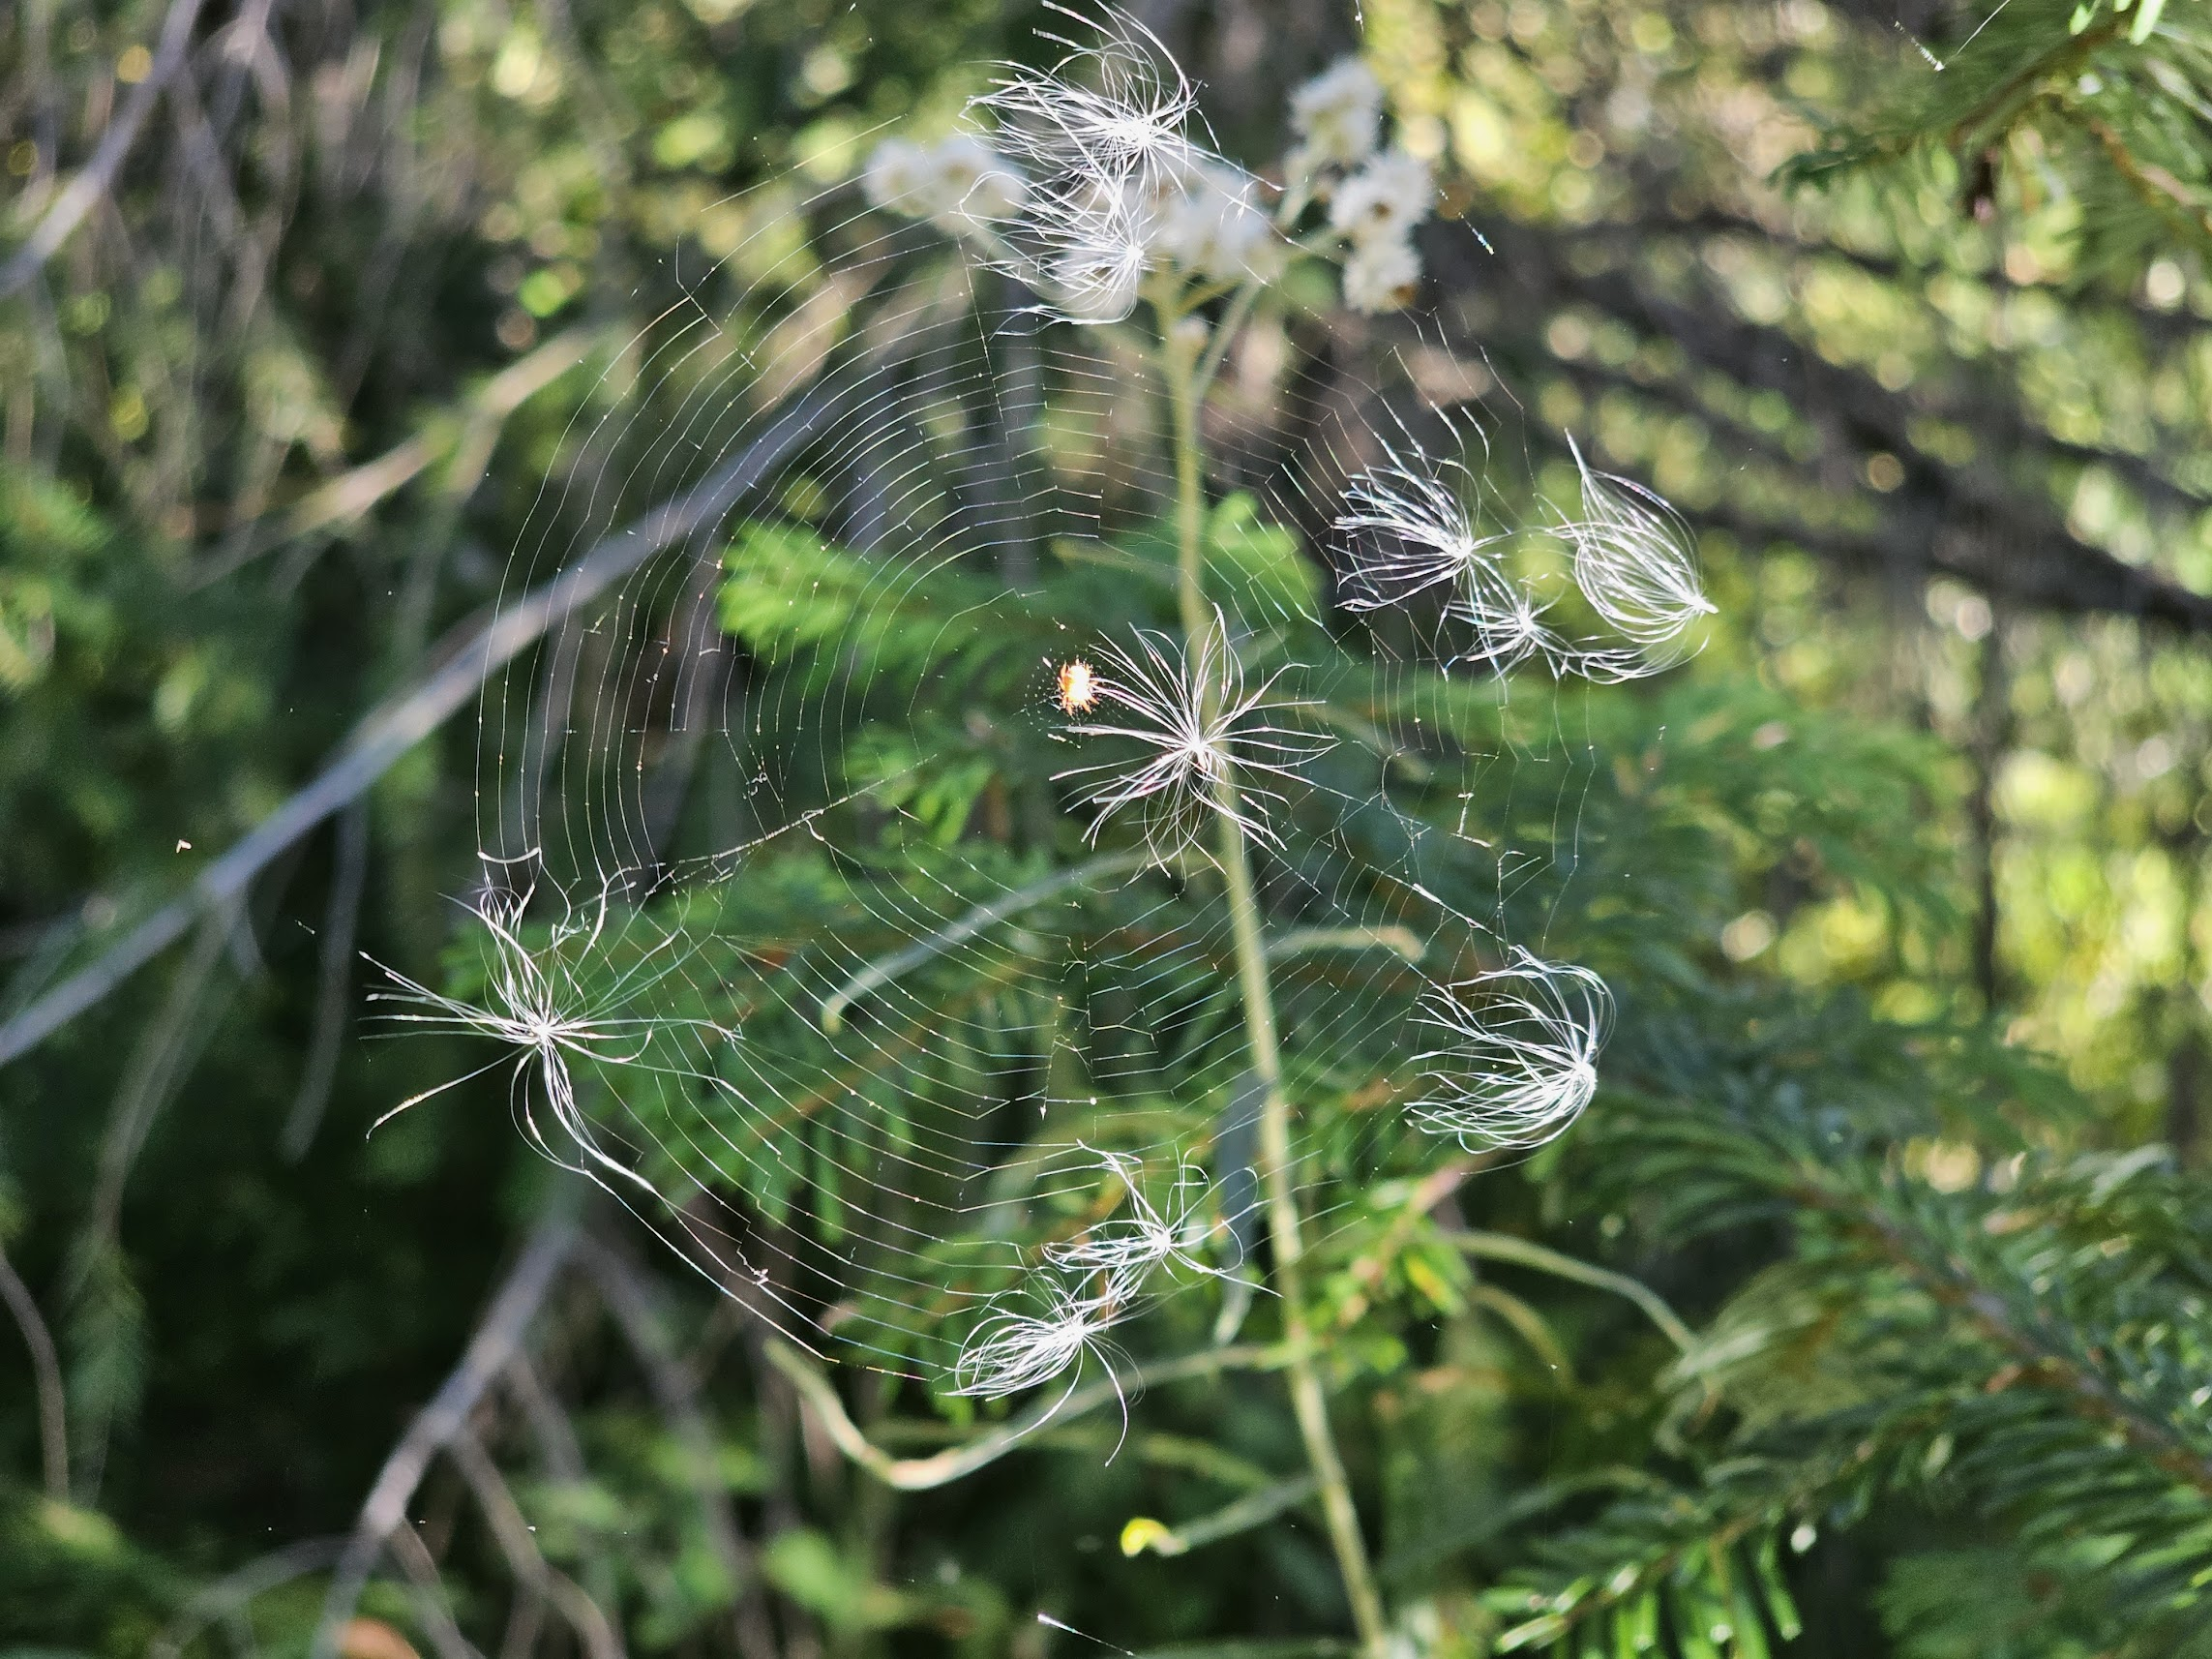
(1526, 1252)
(955, 1462)
(46, 1373)
(1204, 629)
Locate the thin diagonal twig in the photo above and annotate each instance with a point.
(97, 176)
(635, 1302)
(475, 649)
(497, 1339)
(524, 1559)
(340, 922)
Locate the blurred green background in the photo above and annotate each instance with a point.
(1903, 303)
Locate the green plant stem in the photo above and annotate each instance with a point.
(1205, 634)
(956, 1463)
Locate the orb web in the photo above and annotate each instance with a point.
(853, 906)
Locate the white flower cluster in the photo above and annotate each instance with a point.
(1090, 180)
(1039, 1330)
(1413, 523)
(1376, 198)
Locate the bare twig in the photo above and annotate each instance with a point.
(941, 1468)
(463, 433)
(524, 1559)
(1252, 1510)
(497, 1339)
(475, 649)
(548, 1422)
(155, 1067)
(1502, 1246)
(635, 1302)
(46, 1373)
(228, 1595)
(76, 197)
(339, 923)
(415, 1560)
(560, 1452)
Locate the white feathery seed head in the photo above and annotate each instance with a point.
(1382, 276)
(1186, 706)
(1115, 185)
(540, 1011)
(1635, 563)
(1095, 265)
(1337, 116)
(1030, 1336)
(1124, 1250)
(1115, 108)
(1413, 523)
(1508, 627)
(1521, 1060)
(1409, 526)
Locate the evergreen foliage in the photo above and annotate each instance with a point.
(1865, 1308)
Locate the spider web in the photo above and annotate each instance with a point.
(822, 921)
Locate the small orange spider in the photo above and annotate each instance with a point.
(1078, 686)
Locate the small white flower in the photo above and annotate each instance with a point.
(973, 185)
(1337, 114)
(1382, 276)
(1211, 225)
(1384, 201)
(1635, 563)
(1523, 1060)
(960, 184)
(899, 176)
(1014, 1348)
(1124, 1250)
(1189, 708)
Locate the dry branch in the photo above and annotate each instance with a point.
(76, 197)
(498, 1338)
(524, 1559)
(471, 653)
(942, 1468)
(634, 1301)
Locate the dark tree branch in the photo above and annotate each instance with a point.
(497, 1339)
